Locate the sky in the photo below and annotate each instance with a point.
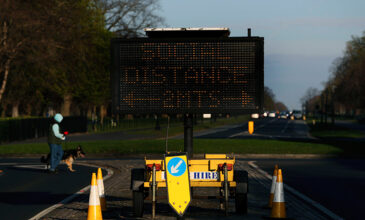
(302, 37)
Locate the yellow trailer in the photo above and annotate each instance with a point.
(214, 170)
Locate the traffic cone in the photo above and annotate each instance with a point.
(273, 183)
(100, 182)
(94, 212)
(278, 203)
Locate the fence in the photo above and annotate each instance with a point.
(28, 128)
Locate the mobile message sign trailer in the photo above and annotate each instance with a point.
(188, 71)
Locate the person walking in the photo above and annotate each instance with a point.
(55, 139)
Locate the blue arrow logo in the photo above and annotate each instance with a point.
(176, 166)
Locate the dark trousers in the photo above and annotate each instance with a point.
(56, 155)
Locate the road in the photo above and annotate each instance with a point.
(26, 189)
(266, 128)
(338, 183)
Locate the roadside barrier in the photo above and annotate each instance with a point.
(273, 184)
(94, 211)
(100, 183)
(278, 203)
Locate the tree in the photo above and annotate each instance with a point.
(311, 100)
(61, 60)
(279, 106)
(127, 18)
(306, 100)
(21, 33)
(84, 74)
(23, 93)
(81, 61)
(269, 99)
(348, 75)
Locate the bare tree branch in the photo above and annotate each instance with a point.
(127, 18)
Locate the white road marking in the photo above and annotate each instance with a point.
(36, 167)
(216, 130)
(239, 134)
(245, 133)
(8, 164)
(70, 198)
(298, 194)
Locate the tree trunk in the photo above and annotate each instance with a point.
(89, 112)
(5, 79)
(102, 114)
(65, 109)
(28, 110)
(3, 113)
(15, 110)
(94, 118)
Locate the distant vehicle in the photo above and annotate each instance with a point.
(284, 115)
(255, 115)
(272, 115)
(297, 114)
(265, 114)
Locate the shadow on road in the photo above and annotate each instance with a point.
(31, 198)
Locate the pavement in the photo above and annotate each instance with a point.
(119, 197)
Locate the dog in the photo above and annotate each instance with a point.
(69, 156)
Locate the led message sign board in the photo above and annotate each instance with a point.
(185, 75)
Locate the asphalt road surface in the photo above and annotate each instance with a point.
(337, 184)
(266, 128)
(26, 189)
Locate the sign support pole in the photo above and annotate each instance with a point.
(188, 134)
(154, 191)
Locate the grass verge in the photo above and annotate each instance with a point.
(242, 146)
(177, 127)
(333, 131)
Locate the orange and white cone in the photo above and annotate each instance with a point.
(94, 212)
(273, 184)
(278, 203)
(100, 182)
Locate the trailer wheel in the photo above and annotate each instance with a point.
(138, 203)
(137, 180)
(241, 179)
